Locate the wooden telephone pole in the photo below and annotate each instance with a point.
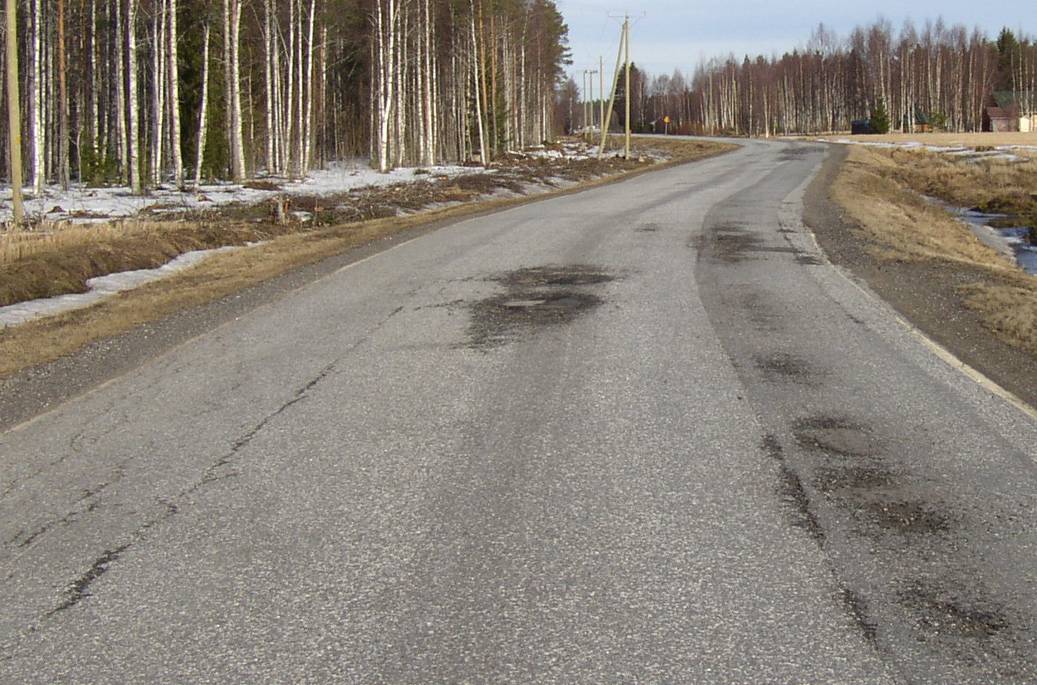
(586, 105)
(626, 45)
(14, 116)
(624, 50)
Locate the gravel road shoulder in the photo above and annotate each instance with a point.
(925, 293)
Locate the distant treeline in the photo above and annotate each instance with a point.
(940, 77)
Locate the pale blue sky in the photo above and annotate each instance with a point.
(676, 33)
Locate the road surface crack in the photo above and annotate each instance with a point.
(89, 496)
(80, 588)
(243, 441)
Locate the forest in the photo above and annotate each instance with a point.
(938, 76)
(145, 92)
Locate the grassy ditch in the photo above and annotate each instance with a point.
(43, 265)
(995, 187)
(882, 191)
(973, 140)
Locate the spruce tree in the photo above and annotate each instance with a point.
(880, 119)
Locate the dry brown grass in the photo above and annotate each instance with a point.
(944, 139)
(47, 339)
(878, 190)
(990, 185)
(1010, 311)
(900, 219)
(60, 261)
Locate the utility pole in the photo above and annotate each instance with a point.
(14, 117)
(601, 81)
(590, 105)
(585, 103)
(612, 96)
(626, 44)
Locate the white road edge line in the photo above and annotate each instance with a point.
(936, 348)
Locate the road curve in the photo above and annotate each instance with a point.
(644, 433)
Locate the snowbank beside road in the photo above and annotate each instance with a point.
(82, 204)
(102, 287)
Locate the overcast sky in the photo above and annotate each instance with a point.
(677, 33)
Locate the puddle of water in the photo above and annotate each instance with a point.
(1013, 241)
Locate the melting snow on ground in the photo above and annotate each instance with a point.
(1005, 153)
(101, 288)
(81, 204)
(1010, 242)
(85, 205)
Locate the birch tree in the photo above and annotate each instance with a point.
(172, 70)
(406, 82)
(132, 111)
(203, 112)
(38, 132)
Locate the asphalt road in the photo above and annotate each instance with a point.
(644, 433)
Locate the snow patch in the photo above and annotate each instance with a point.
(1006, 153)
(83, 205)
(103, 287)
(1012, 242)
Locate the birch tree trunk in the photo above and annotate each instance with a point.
(289, 114)
(386, 40)
(430, 87)
(158, 90)
(63, 133)
(278, 110)
(323, 94)
(228, 95)
(203, 112)
(95, 100)
(174, 100)
(120, 92)
(478, 103)
(419, 91)
(398, 78)
(308, 139)
(240, 170)
(39, 174)
(14, 119)
(132, 111)
(268, 66)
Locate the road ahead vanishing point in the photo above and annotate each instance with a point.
(643, 433)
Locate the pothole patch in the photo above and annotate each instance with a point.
(842, 479)
(905, 517)
(834, 436)
(792, 493)
(732, 243)
(781, 366)
(535, 298)
(554, 276)
(941, 613)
